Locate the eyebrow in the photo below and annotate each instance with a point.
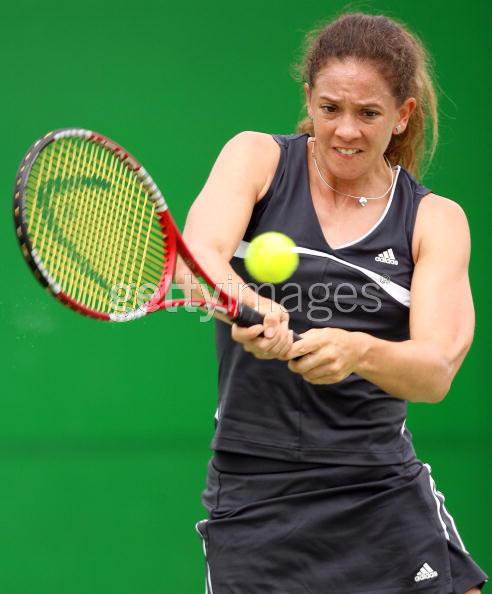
(370, 103)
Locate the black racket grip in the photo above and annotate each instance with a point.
(247, 316)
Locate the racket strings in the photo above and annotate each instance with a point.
(129, 187)
(103, 170)
(93, 226)
(73, 222)
(64, 263)
(88, 244)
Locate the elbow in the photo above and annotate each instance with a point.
(438, 395)
(436, 386)
(447, 369)
(433, 395)
(440, 388)
(446, 366)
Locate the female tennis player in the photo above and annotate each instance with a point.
(314, 486)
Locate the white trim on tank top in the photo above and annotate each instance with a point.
(379, 221)
(398, 292)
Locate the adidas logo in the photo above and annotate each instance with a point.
(388, 257)
(425, 573)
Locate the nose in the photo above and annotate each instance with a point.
(347, 129)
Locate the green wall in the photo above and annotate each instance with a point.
(104, 431)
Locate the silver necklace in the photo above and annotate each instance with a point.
(362, 199)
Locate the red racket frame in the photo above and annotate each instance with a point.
(174, 246)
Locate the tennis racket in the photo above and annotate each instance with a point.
(97, 233)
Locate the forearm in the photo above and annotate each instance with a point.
(414, 370)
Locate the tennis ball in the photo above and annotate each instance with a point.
(270, 257)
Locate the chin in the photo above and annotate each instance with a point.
(348, 170)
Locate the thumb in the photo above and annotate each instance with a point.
(270, 325)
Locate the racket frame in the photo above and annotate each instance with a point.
(174, 243)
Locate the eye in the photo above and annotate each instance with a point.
(370, 114)
(328, 108)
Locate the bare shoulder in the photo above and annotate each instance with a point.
(259, 153)
(251, 137)
(256, 146)
(441, 222)
(434, 206)
(254, 139)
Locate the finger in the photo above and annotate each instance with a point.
(267, 345)
(241, 334)
(255, 348)
(285, 342)
(272, 322)
(262, 355)
(326, 374)
(285, 351)
(317, 372)
(306, 363)
(284, 316)
(300, 348)
(326, 379)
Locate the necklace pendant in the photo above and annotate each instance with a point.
(362, 201)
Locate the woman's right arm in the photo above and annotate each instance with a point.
(216, 223)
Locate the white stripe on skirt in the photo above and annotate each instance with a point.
(439, 500)
(208, 581)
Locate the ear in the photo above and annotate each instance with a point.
(307, 95)
(405, 111)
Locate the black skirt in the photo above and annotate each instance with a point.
(332, 529)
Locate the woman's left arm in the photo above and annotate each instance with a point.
(441, 320)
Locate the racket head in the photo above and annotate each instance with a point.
(93, 226)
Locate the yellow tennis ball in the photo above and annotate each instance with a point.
(270, 257)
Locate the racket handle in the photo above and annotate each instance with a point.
(247, 316)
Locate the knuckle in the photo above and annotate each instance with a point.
(336, 369)
(265, 345)
(293, 366)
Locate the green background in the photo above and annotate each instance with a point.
(104, 429)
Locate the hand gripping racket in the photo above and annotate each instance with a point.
(97, 232)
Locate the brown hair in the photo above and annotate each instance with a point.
(402, 60)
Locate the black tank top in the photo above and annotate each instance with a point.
(265, 410)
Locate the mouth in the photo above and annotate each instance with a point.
(346, 152)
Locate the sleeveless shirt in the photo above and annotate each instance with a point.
(268, 411)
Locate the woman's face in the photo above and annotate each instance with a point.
(354, 116)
